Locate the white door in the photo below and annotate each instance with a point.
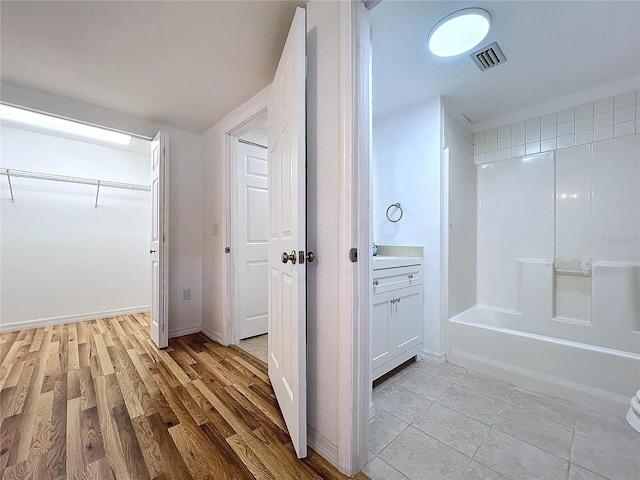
(159, 268)
(287, 223)
(407, 332)
(252, 227)
(381, 330)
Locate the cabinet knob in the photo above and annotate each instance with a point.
(410, 276)
(398, 300)
(375, 283)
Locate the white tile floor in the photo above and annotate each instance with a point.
(447, 422)
(256, 346)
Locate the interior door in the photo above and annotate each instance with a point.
(159, 330)
(287, 223)
(252, 227)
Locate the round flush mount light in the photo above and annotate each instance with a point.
(459, 32)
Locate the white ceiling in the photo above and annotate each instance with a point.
(180, 63)
(187, 64)
(553, 49)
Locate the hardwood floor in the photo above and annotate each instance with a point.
(97, 400)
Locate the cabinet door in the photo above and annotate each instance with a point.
(407, 330)
(381, 329)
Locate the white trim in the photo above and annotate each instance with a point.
(239, 121)
(178, 332)
(82, 317)
(433, 358)
(322, 445)
(347, 416)
(213, 335)
(354, 231)
(372, 412)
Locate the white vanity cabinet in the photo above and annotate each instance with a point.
(396, 324)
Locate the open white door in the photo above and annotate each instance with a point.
(252, 227)
(287, 236)
(159, 330)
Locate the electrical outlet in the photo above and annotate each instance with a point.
(216, 229)
(186, 294)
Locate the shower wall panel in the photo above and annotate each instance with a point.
(559, 243)
(515, 221)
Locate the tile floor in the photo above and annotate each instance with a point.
(256, 346)
(447, 422)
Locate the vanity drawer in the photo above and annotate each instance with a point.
(393, 278)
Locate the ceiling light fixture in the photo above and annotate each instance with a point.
(28, 117)
(459, 32)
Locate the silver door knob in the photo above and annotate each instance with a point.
(286, 257)
(311, 257)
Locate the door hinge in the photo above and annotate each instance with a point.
(227, 249)
(353, 255)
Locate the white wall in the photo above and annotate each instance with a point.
(62, 258)
(406, 169)
(185, 167)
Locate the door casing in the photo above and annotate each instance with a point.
(253, 115)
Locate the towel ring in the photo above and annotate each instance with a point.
(397, 205)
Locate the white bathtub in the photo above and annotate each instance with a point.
(596, 377)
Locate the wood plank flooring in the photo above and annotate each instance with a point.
(97, 400)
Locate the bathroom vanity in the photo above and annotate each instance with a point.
(396, 323)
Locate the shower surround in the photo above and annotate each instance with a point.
(556, 268)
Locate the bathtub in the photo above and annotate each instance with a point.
(599, 378)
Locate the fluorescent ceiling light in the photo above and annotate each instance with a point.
(459, 32)
(28, 117)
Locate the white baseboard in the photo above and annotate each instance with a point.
(178, 332)
(213, 335)
(434, 358)
(322, 445)
(44, 322)
(372, 412)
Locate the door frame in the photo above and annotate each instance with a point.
(232, 138)
(355, 231)
(246, 117)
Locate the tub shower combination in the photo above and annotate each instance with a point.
(556, 264)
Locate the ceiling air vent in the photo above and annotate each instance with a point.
(488, 57)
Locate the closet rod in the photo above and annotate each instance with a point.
(63, 178)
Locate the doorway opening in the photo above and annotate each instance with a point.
(77, 208)
(250, 240)
(246, 152)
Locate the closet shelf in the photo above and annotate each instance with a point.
(64, 178)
